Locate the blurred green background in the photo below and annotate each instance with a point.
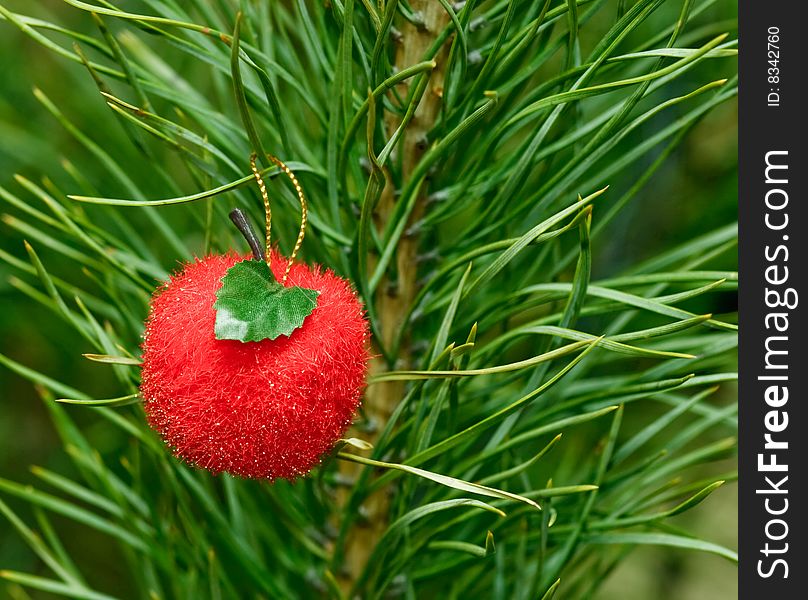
(697, 192)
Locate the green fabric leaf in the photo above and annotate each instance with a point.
(252, 306)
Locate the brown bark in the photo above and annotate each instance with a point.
(395, 295)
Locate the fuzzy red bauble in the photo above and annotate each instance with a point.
(255, 409)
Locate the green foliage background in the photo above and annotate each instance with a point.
(117, 515)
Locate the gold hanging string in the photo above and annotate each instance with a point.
(267, 210)
(303, 208)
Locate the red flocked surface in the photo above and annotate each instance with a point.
(258, 409)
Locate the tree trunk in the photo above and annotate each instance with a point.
(395, 295)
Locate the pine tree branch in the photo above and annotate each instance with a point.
(397, 291)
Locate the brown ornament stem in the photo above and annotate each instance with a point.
(396, 294)
(243, 225)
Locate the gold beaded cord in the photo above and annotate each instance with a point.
(268, 210)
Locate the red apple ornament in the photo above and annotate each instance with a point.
(259, 409)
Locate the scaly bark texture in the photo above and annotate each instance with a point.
(396, 294)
